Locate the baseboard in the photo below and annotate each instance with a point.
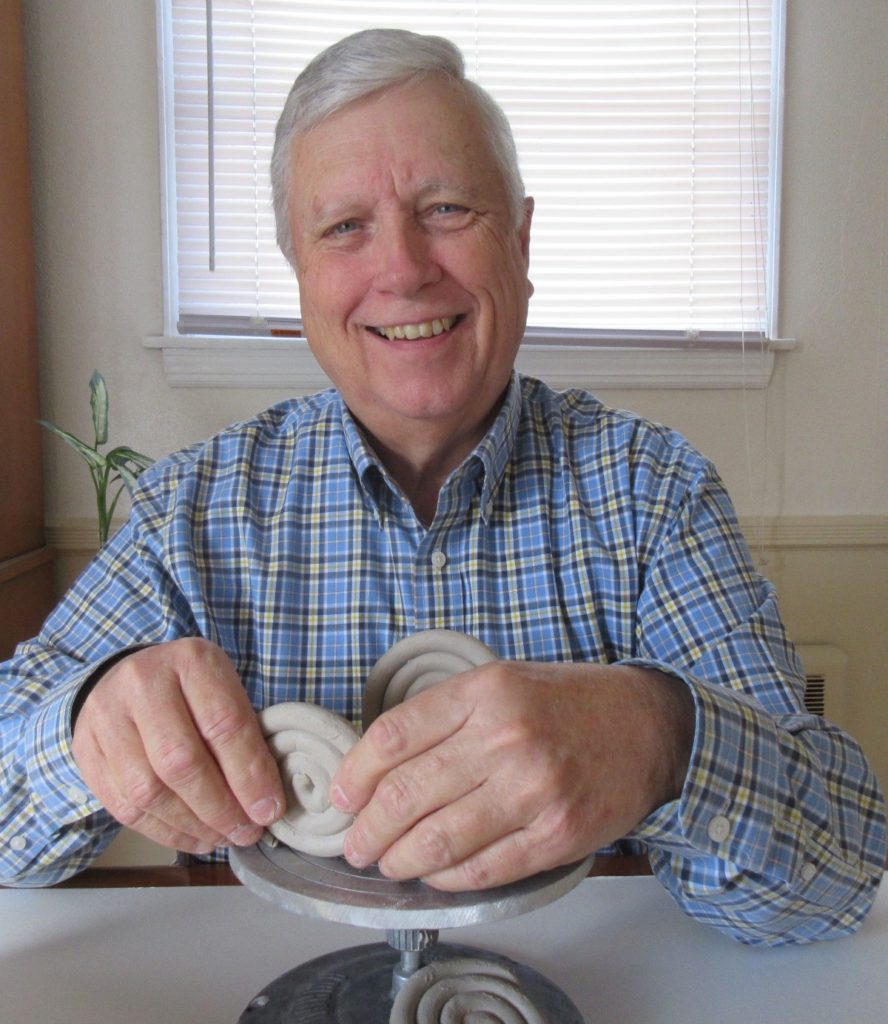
(816, 531)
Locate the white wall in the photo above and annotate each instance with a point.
(814, 444)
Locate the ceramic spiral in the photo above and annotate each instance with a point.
(308, 742)
(418, 662)
(462, 990)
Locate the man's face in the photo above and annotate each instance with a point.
(412, 272)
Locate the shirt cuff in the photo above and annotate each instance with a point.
(55, 778)
(736, 804)
(56, 781)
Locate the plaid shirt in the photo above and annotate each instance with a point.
(572, 532)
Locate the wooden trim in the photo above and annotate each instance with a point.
(21, 473)
(23, 564)
(26, 587)
(151, 877)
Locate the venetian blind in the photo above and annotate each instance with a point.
(643, 131)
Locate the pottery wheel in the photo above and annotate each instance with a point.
(329, 888)
(371, 984)
(352, 986)
(358, 985)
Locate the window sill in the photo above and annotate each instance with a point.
(232, 362)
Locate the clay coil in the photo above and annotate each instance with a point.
(463, 989)
(417, 662)
(308, 742)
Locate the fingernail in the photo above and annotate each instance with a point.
(352, 856)
(340, 800)
(264, 811)
(244, 835)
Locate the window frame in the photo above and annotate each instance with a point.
(592, 359)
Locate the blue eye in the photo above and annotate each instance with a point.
(344, 228)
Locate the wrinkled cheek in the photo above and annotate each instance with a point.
(511, 307)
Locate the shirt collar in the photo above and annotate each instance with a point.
(487, 462)
(494, 450)
(372, 475)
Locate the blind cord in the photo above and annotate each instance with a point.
(211, 146)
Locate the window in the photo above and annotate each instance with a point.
(646, 132)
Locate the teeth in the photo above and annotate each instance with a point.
(427, 329)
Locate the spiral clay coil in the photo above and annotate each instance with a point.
(416, 663)
(308, 742)
(463, 989)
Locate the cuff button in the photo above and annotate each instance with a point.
(77, 795)
(719, 829)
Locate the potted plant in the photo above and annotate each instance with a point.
(118, 468)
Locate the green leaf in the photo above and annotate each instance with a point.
(123, 462)
(128, 477)
(124, 455)
(94, 459)
(112, 507)
(98, 401)
(128, 465)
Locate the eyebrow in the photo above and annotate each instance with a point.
(435, 185)
(335, 208)
(339, 207)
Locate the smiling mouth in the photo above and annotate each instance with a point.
(410, 332)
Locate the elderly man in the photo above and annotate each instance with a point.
(645, 693)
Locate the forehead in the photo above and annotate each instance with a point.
(414, 135)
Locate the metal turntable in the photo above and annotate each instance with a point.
(411, 978)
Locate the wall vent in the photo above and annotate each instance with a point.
(826, 680)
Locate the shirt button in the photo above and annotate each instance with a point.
(77, 795)
(18, 843)
(719, 829)
(439, 559)
(808, 871)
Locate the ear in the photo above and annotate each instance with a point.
(524, 229)
(524, 237)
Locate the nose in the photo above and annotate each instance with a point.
(404, 258)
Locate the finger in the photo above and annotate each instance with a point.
(117, 771)
(404, 797)
(230, 732)
(442, 777)
(401, 734)
(508, 859)
(554, 836)
(187, 775)
(172, 743)
(450, 836)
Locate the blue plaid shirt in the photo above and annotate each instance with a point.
(573, 532)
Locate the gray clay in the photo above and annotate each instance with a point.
(418, 662)
(308, 742)
(463, 988)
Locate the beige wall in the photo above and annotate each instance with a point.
(814, 444)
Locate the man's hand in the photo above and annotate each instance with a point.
(168, 742)
(513, 768)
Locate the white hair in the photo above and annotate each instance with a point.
(364, 63)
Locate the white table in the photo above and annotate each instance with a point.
(618, 947)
